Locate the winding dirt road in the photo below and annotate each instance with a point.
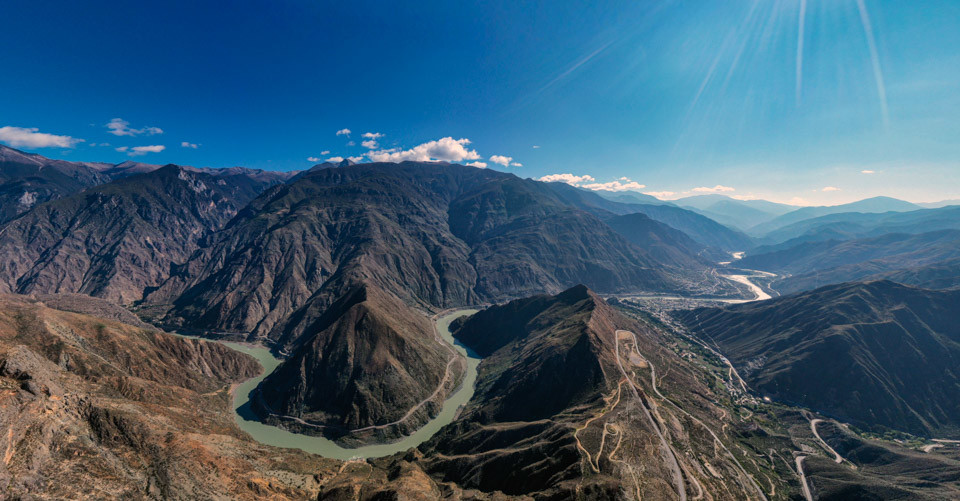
(653, 383)
(668, 451)
(837, 458)
(803, 479)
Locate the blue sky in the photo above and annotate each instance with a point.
(672, 96)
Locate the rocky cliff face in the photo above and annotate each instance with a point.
(117, 240)
(432, 235)
(27, 180)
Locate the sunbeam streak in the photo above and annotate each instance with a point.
(800, 37)
(874, 59)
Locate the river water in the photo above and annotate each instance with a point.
(278, 437)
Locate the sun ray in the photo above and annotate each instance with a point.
(801, 29)
(874, 59)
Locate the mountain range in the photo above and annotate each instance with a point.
(876, 354)
(341, 270)
(118, 240)
(875, 205)
(740, 214)
(808, 265)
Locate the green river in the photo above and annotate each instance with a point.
(272, 435)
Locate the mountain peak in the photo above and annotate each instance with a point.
(576, 293)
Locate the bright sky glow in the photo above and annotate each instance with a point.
(774, 99)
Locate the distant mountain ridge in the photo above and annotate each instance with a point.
(118, 239)
(873, 205)
(813, 264)
(850, 225)
(698, 227)
(29, 179)
(740, 214)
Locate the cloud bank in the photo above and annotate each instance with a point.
(445, 149)
(33, 138)
(716, 189)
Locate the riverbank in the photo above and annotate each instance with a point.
(275, 436)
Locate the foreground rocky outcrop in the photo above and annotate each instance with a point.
(566, 407)
(96, 409)
(374, 370)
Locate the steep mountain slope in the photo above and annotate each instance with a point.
(631, 197)
(878, 354)
(811, 265)
(372, 362)
(565, 404)
(27, 179)
(875, 205)
(665, 244)
(118, 239)
(95, 409)
(940, 275)
(434, 235)
(698, 227)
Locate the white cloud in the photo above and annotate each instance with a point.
(370, 144)
(372, 135)
(536, 146)
(325, 152)
(479, 165)
(744, 197)
(335, 160)
(32, 138)
(588, 182)
(516, 164)
(615, 186)
(99, 144)
(660, 194)
(189, 145)
(446, 149)
(502, 160)
(121, 127)
(355, 160)
(313, 159)
(868, 171)
(137, 151)
(716, 189)
(343, 132)
(830, 188)
(568, 178)
(351, 143)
